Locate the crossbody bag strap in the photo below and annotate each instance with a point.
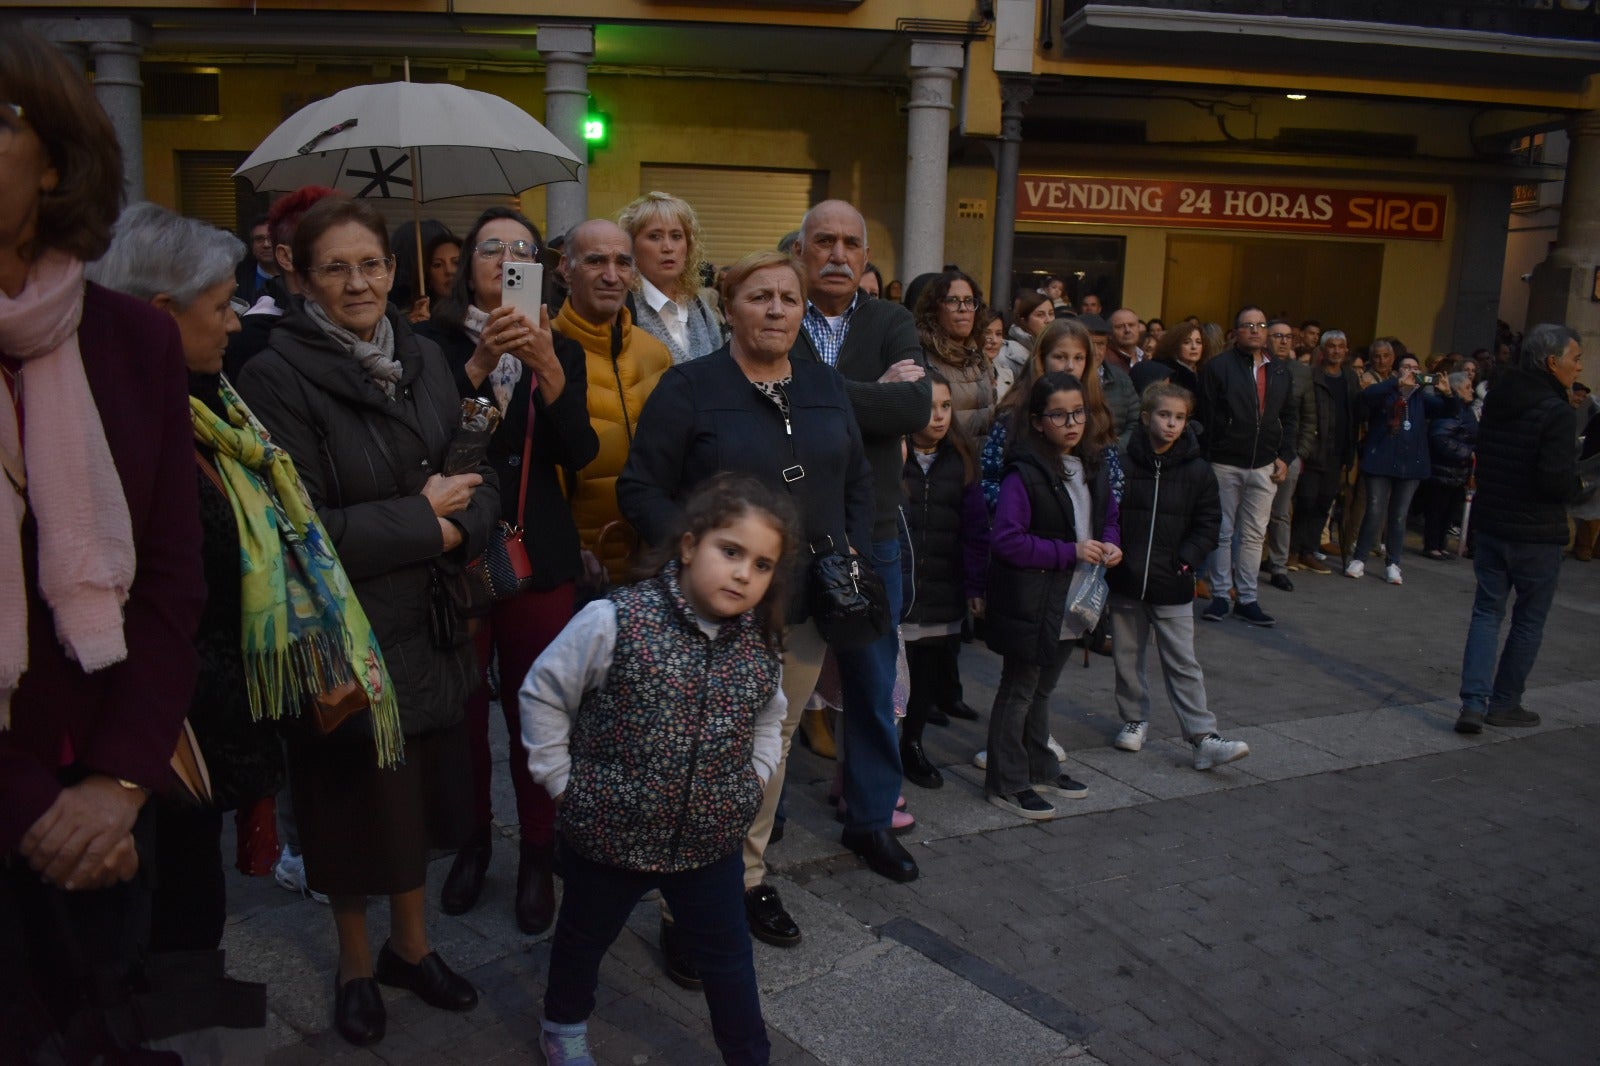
(527, 452)
(209, 471)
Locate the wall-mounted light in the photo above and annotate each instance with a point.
(1295, 96)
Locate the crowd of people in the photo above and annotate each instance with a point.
(287, 516)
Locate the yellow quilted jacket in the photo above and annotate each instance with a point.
(617, 391)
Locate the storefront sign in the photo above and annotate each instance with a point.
(1386, 214)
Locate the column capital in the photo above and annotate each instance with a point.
(575, 41)
(932, 53)
(1014, 92)
(1584, 124)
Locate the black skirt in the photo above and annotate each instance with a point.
(366, 831)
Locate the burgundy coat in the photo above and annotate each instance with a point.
(123, 720)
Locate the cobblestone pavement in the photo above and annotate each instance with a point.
(1367, 887)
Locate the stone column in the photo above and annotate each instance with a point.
(1563, 286)
(1014, 93)
(1480, 256)
(934, 66)
(117, 86)
(567, 51)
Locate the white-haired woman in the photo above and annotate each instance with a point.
(255, 568)
(668, 303)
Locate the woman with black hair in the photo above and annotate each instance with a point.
(536, 378)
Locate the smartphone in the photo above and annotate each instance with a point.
(1427, 379)
(522, 287)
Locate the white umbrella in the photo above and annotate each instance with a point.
(410, 140)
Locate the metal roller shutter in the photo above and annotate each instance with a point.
(741, 209)
(207, 189)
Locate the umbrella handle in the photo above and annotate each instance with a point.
(349, 123)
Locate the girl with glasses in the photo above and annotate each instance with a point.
(1056, 516)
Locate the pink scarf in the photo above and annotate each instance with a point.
(86, 556)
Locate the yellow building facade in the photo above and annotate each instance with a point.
(907, 108)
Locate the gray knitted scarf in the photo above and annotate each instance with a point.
(375, 356)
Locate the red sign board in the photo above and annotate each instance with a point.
(1386, 214)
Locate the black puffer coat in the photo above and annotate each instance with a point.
(1171, 518)
(1527, 459)
(948, 526)
(321, 407)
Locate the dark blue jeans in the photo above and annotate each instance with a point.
(707, 905)
(1500, 566)
(872, 770)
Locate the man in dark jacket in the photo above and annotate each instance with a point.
(1247, 408)
(1280, 342)
(1335, 393)
(1527, 474)
(874, 345)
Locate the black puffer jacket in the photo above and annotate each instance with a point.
(1026, 603)
(322, 408)
(1527, 459)
(1171, 518)
(1450, 444)
(947, 526)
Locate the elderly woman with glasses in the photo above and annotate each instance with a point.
(947, 312)
(537, 379)
(366, 409)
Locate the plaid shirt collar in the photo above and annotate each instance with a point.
(827, 340)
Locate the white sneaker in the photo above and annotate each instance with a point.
(1131, 736)
(981, 760)
(290, 873)
(1214, 751)
(1391, 574)
(1357, 568)
(1056, 749)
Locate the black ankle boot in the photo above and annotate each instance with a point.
(464, 883)
(918, 768)
(536, 888)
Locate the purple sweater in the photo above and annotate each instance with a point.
(1010, 539)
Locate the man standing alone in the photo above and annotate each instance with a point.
(1527, 474)
(1247, 409)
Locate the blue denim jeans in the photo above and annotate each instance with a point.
(1388, 500)
(707, 905)
(866, 677)
(1500, 566)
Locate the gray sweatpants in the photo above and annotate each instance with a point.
(1131, 624)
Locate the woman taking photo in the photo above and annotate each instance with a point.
(366, 410)
(1395, 459)
(96, 668)
(746, 408)
(498, 355)
(666, 250)
(947, 314)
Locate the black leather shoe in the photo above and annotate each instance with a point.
(937, 717)
(435, 984)
(917, 767)
(536, 888)
(358, 1011)
(683, 975)
(959, 709)
(768, 920)
(882, 853)
(464, 883)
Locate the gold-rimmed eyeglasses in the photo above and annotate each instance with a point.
(371, 269)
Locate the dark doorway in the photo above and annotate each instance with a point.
(1086, 263)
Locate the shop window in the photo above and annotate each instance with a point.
(1088, 264)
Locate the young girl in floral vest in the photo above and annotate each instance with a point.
(654, 720)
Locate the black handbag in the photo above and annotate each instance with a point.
(504, 569)
(848, 602)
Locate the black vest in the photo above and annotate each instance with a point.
(933, 520)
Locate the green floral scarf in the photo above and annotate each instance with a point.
(304, 631)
